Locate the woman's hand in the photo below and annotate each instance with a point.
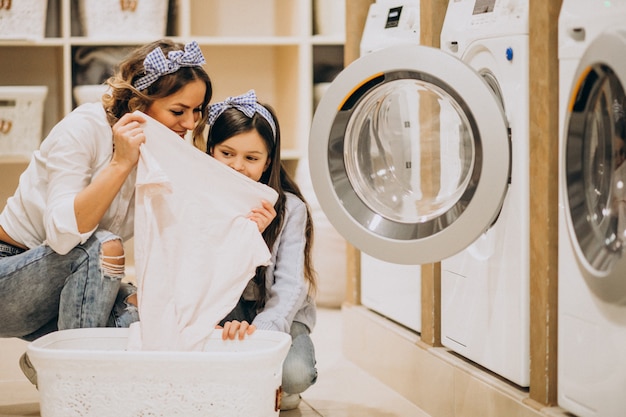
(263, 216)
(234, 329)
(128, 135)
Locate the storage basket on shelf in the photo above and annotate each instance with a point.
(21, 119)
(89, 372)
(89, 93)
(23, 19)
(127, 19)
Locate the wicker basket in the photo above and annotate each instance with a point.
(23, 19)
(21, 119)
(127, 19)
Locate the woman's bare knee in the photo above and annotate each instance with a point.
(113, 258)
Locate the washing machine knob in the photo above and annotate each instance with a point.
(509, 54)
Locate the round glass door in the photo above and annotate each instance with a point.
(409, 154)
(595, 171)
(384, 156)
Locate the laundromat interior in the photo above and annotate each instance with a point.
(462, 160)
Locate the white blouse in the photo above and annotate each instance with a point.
(77, 149)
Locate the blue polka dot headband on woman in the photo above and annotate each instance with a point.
(157, 65)
(246, 103)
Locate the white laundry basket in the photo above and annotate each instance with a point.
(124, 19)
(21, 119)
(89, 372)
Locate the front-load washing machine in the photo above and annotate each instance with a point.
(390, 289)
(409, 154)
(592, 208)
(485, 289)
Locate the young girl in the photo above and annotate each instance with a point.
(245, 135)
(62, 232)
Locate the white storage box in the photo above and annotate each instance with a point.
(23, 19)
(89, 93)
(124, 19)
(21, 119)
(88, 372)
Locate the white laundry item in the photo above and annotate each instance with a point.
(195, 250)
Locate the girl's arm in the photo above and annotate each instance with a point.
(236, 329)
(289, 289)
(263, 215)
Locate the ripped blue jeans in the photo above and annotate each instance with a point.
(42, 291)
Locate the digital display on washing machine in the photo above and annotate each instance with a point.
(393, 17)
(484, 6)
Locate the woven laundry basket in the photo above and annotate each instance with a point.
(23, 19)
(89, 372)
(21, 119)
(126, 19)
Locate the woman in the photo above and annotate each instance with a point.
(62, 232)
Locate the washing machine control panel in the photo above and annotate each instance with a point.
(390, 22)
(393, 17)
(576, 30)
(477, 19)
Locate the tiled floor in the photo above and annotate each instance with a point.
(342, 389)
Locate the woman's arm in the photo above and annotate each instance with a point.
(91, 204)
(78, 152)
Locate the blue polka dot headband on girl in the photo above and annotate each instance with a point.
(157, 65)
(246, 103)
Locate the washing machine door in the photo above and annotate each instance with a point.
(409, 154)
(594, 155)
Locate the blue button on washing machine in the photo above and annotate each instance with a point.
(509, 54)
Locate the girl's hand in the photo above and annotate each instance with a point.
(263, 216)
(233, 329)
(128, 135)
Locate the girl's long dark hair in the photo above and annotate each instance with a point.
(233, 122)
